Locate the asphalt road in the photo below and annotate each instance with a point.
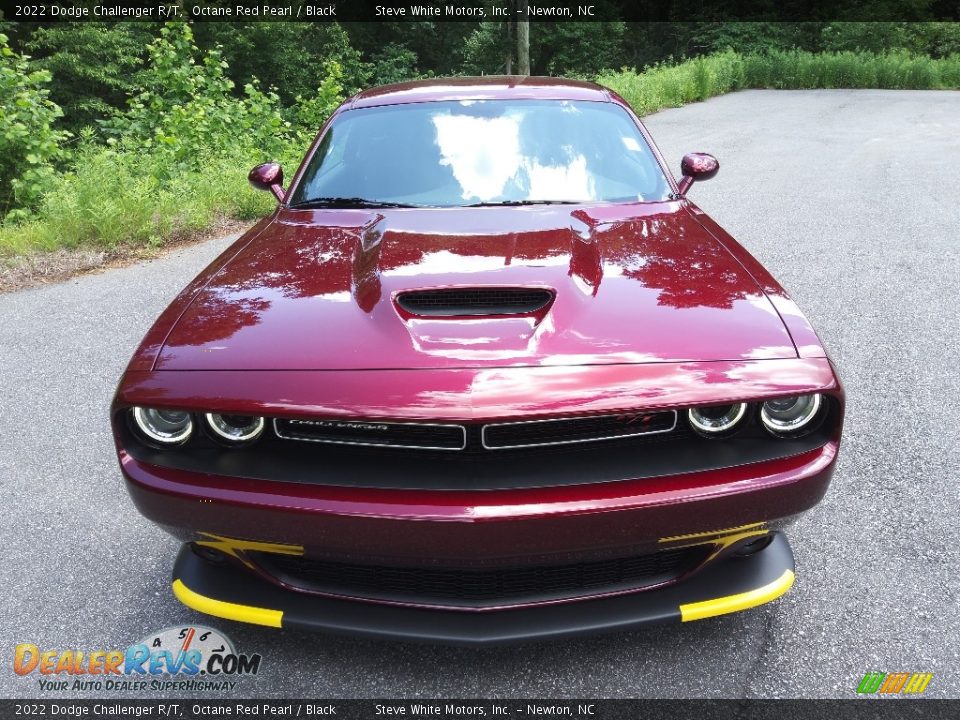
(849, 197)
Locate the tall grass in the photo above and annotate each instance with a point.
(113, 200)
(663, 86)
(113, 197)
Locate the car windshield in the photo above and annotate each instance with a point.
(482, 152)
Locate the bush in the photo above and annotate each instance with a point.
(394, 64)
(177, 158)
(310, 113)
(178, 155)
(662, 86)
(94, 66)
(115, 197)
(187, 111)
(29, 144)
(672, 85)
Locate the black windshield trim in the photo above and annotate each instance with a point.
(349, 202)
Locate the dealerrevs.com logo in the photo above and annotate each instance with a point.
(193, 658)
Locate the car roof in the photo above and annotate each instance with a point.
(489, 87)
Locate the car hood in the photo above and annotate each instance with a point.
(316, 290)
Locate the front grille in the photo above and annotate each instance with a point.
(494, 436)
(562, 431)
(362, 458)
(474, 301)
(419, 436)
(479, 587)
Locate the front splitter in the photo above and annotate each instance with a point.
(228, 591)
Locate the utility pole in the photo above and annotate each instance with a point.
(510, 22)
(523, 39)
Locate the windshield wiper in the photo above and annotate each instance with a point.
(347, 202)
(526, 202)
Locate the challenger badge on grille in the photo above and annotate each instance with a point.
(420, 436)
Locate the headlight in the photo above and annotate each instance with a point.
(167, 427)
(235, 428)
(717, 419)
(790, 415)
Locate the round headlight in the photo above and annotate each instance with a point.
(716, 419)
(789, 415)
(236, 428)
(167, 427)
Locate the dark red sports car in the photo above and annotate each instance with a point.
(486, 374)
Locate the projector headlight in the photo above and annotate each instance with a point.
(790, 415)
(164, 427)
(235, 428)
(716, 420)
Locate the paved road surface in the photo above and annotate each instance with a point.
(849, 197)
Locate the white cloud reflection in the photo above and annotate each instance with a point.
(483, 165)
(493, 157)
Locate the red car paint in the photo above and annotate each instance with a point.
(656, 307)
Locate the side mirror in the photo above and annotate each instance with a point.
(268, 176)
(696, 167)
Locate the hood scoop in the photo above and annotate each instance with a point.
(474, 301)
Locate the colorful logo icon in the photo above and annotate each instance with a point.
(894, 683)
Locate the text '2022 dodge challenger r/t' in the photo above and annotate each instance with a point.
(485, 375)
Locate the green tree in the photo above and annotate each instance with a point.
(566, 48)
(289, 56)
(395, 63)
(486, 49)
(186, 111)
(94, 66)
(30, 145)
(556, 48)
(937, 39)
(311, 112)
(437, 46)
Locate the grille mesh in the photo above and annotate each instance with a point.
(576, 430)
(477, 586)
(474, 301)
(378, 434)
(477, 437)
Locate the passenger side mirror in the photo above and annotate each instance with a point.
(268, 176)
(696, 167)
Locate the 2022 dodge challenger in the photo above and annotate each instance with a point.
(485, 375)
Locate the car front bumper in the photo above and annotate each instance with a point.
(227, 590)
(722, 510)
(479, 528)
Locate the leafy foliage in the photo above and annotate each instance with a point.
(394, 63)
(94, 66)
(169, 120)
(309, 113)
(176, 157)
(186, 112)
(559, 48)
(286, 55)
(30, 145)
(700, 78)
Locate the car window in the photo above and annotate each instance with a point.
(484, 152)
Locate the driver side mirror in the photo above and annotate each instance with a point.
(696, 167)
(268, 176)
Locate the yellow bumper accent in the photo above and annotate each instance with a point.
(234, 546)
(740, 601)
(230, 611)
(713, 535)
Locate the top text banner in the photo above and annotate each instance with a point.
(479, 10)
